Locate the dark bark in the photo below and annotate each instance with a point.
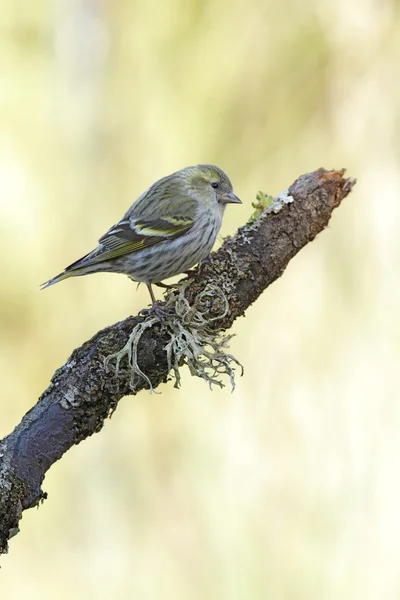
(82, 394)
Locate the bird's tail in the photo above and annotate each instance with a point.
(57, 278)
(77, 268)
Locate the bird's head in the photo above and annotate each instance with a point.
(210, 185)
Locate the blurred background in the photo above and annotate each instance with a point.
(289, 487)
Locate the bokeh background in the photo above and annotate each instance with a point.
(289, 487)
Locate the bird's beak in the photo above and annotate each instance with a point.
(230, 199)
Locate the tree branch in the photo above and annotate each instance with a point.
(82, 394)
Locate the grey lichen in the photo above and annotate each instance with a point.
(70, 398)
(130, 351)
(11, 490)
(192, 342)
(279, 202)
(5, 467)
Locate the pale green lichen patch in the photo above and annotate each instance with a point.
(192, 341)
(262, 202)
(265, 204)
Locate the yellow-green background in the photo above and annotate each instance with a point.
(288, 488)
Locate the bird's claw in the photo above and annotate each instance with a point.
(157, 310)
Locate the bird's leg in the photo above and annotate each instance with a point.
(158, 310)
(146, 311)
(153, 298)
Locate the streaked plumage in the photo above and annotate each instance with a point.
(168, 229)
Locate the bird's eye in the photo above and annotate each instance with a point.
(215, 185)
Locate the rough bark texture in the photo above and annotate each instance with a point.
(82, 394)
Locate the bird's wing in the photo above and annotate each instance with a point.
(170, 220)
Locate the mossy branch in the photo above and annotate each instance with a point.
(83, 392)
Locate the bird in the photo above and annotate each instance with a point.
(170, 228)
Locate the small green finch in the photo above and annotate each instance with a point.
(168, 229)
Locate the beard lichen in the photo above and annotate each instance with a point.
(192, 341)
